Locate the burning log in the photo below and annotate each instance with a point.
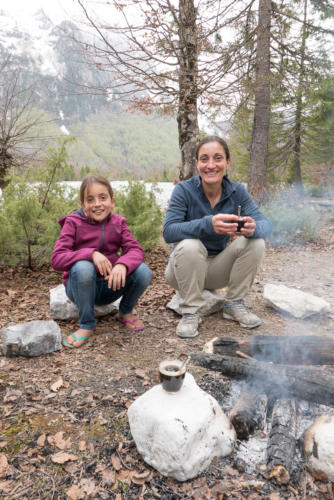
(305, 382)
(282, 440)
(248, 413)
(297, 350)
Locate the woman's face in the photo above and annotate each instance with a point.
(212, 163)
(97, 202)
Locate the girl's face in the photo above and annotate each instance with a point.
(97, 202)
(212, 163)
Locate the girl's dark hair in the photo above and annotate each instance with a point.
(214, 138)
(92, 179)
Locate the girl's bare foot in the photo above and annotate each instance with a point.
(78, 338)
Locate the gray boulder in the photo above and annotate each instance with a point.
(62, 308)
(292, 301)
(32, 338)
(214, 302)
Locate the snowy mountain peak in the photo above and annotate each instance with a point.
(48, 61)
(30, 37)
(43, 20)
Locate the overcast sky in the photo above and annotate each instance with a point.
(57, 10)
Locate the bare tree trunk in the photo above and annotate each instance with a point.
(297, 173)
(257, 173)
(6, 161)
(188, 70)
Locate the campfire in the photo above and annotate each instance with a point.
(286, 384)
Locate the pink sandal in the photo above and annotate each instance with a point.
(129, 323)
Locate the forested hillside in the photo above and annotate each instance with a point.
(45, 89)
(59, 79)
(125, 145)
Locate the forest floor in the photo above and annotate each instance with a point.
(64, 432)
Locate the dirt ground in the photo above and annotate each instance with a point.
(64, 431)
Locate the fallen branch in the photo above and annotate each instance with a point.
(248, 413)
(304, 382)
(282, 440)
(296, 350)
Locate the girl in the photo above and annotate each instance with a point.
(87, 250)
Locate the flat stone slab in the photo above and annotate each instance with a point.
(319, 448)
(292, 301)
(61, 307)
(180, 433)
(214, 302)
(32, 338)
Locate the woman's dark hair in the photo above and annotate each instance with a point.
(92, 179)
(213, 138)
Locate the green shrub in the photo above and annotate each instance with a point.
(29, 208)
(143, 214)
(293, 219)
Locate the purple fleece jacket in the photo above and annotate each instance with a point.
(81, 236)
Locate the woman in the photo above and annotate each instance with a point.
(201, 218)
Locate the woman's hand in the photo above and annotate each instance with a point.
(102, 263)
(249, 227)
(225, 223)
(228, 224)
(116, 279)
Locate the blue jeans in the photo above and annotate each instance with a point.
(87, 288)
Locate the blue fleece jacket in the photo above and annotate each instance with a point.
(189, 213)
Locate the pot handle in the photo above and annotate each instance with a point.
(186, 360)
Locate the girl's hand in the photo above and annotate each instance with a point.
(225, 223)
(117, 277)
(102, 263)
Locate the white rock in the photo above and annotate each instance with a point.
(32, 338)
(214, 302)
(180, 433)
(61, 307)
(299, 304)
(319, 448)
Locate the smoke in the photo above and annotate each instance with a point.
(297, 218)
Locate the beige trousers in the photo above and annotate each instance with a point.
(190, 270)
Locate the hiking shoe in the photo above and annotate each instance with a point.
(237, 311)
(188, 326)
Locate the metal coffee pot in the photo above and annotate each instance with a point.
(172, 372)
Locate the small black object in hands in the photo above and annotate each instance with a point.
(241, 224)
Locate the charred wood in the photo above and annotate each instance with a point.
(305, 382)
(243, 355)
(282, 440)
(297, 350)
(248, 413)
